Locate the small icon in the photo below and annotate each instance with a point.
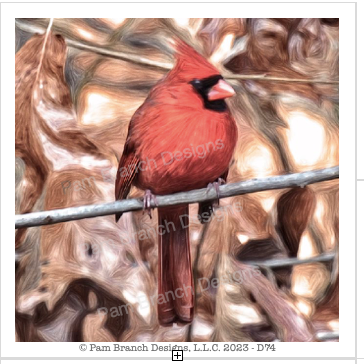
(177, 355)
(83, 347)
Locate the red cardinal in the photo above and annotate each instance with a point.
(181, 138)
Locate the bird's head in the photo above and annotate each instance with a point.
(195, 74)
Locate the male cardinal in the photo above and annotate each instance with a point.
(181, 138)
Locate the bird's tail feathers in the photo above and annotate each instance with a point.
(176, 287)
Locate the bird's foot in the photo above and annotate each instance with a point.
(148, 197)
(216, 185)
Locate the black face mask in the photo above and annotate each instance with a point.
(203, 87)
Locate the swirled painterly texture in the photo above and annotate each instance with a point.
(95, 279)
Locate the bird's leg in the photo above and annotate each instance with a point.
(206, 208)
(148, 197)
(220, 181)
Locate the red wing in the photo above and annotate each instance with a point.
(129, 162)
(128, 167)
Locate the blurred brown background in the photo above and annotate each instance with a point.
(74, 99)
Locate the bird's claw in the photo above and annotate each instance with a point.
(148, 197)
(216, 185)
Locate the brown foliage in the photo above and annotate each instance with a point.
(72, 113)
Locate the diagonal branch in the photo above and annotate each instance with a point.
(288, 324)
(204, 194)
(43, 49)
(287, 262)
(31, 28)
(232, 76)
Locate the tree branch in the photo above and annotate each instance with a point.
(327, 335)
(231, 76)
(204, 194)
(286, 262)
(31, 28)
(99, 50)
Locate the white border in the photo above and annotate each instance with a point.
(360, 292)
(346, 13)
(194, 361)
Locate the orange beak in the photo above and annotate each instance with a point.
(221, 90)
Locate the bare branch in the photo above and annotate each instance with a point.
(324, 335)
(99, 50)
(289, 325)
(162, 65)
(285, 262)
(44, 48)
(232, 189)
(277, 79)
(120, 55)
(329, 335)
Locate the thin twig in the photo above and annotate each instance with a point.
(324, 335)
(43, 49)
(287, 323)
(161, 65)
(328, 335)
(119, 55)
(99, 50)
(204, 194)
(277, 79)
(195, 272)
(286, 262)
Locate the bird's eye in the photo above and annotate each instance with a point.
(195, 83)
